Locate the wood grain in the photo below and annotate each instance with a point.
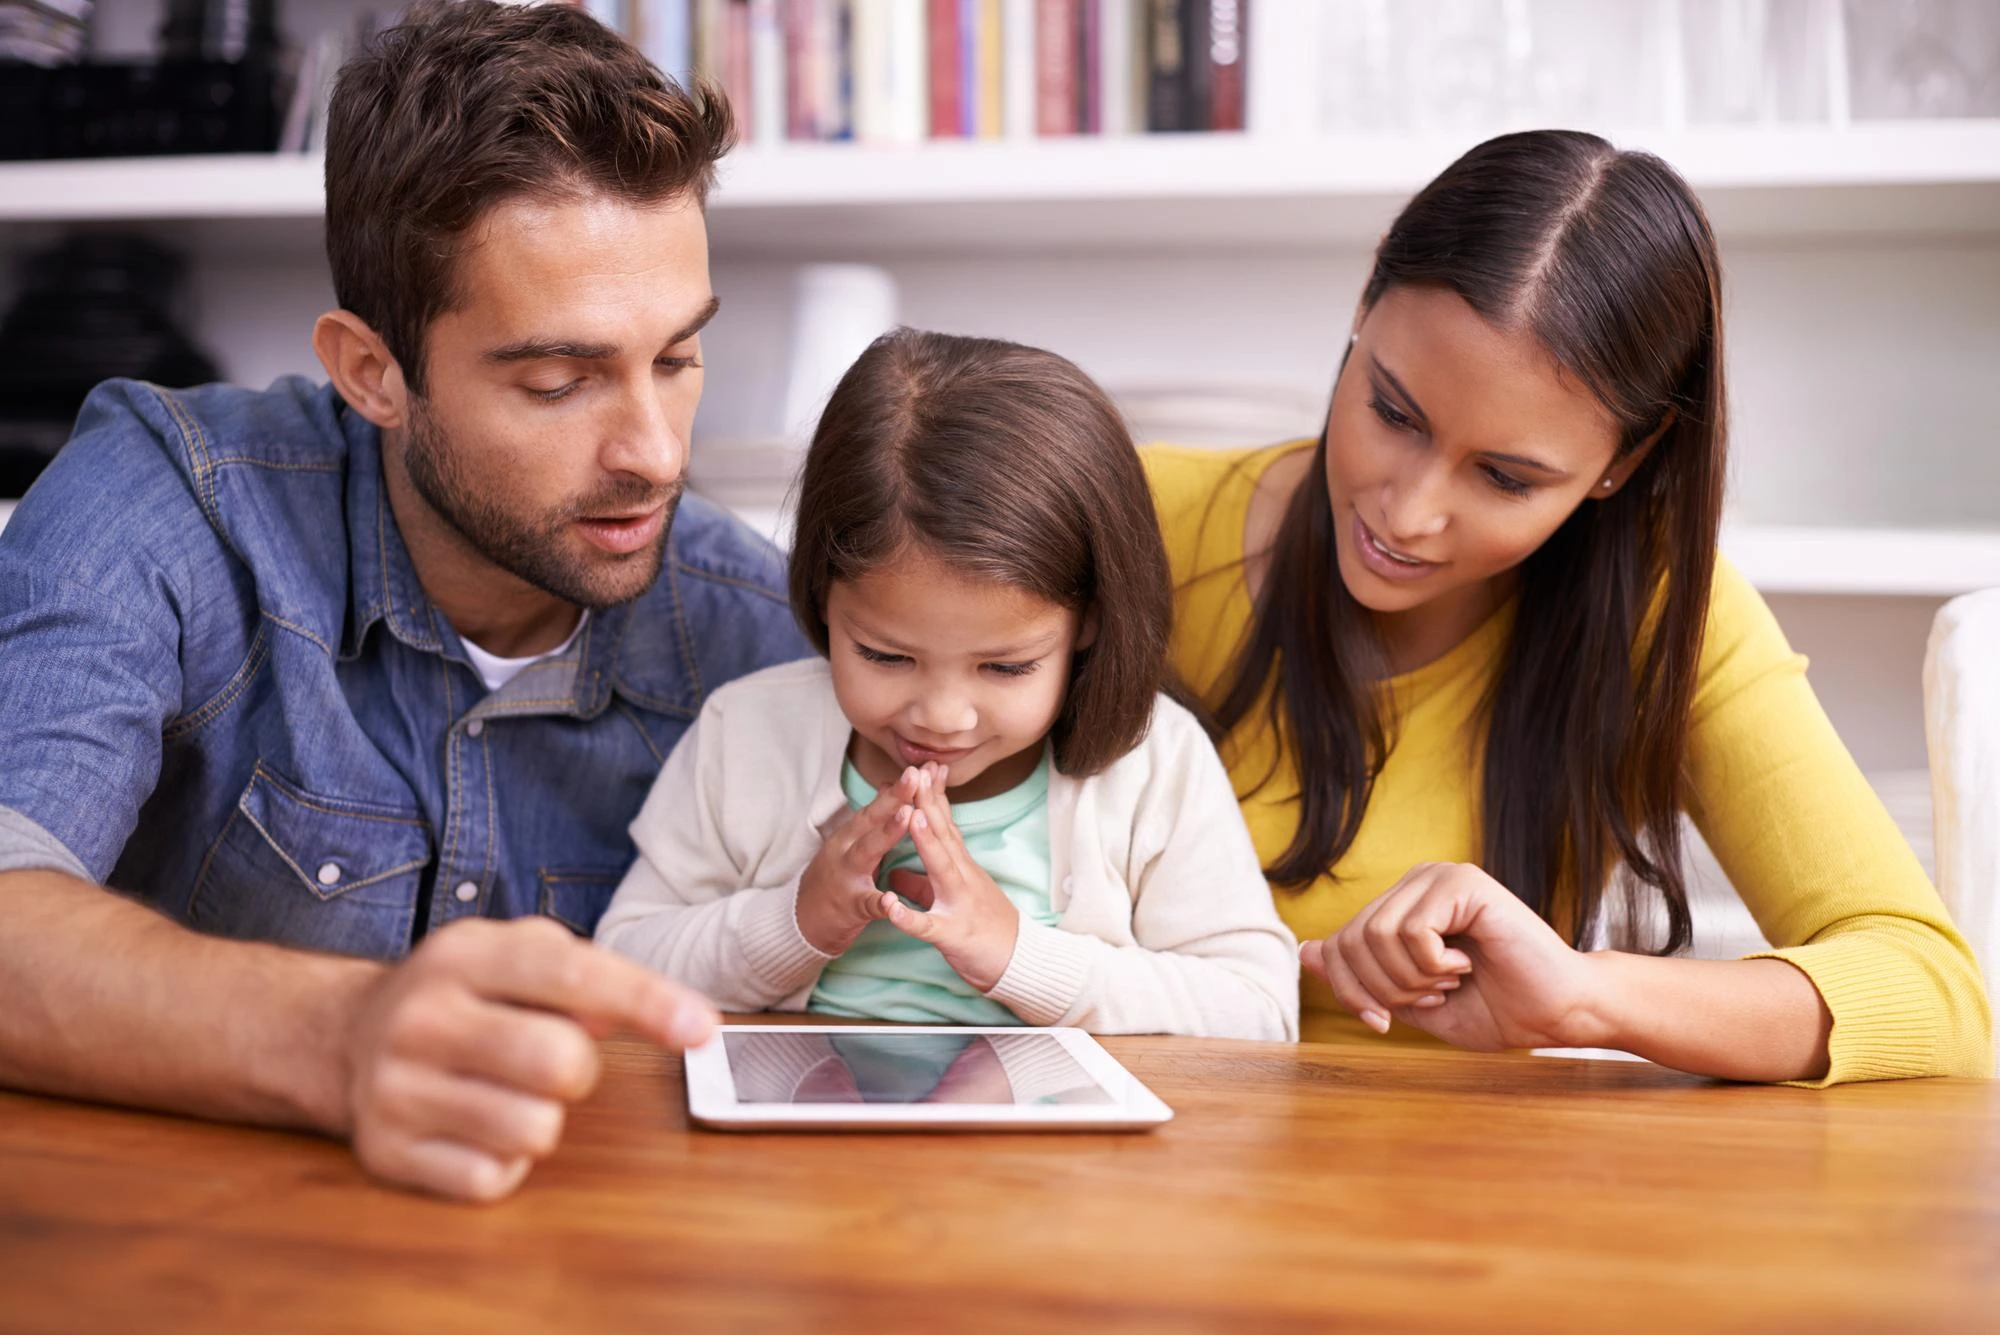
(1301, 1188)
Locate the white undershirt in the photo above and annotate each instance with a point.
(497, 672)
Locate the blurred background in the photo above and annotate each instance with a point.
(1181, 195)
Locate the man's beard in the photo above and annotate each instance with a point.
(535, 548)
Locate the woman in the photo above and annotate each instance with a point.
(1471, 654)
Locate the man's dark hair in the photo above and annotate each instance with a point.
(468, 104)
(1006, 463)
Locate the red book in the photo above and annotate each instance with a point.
(1057, 23)
(1090, 51)
(801, 122)
(946, 62)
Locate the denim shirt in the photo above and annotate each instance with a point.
(223, 691)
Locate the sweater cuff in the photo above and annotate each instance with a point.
(1885, 1024)
(776, 950)
(1046, 975)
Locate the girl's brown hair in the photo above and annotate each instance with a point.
(1606, 258)
(1007, 463)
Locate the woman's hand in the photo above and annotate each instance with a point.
(964, 914)
(837, 892)
(1453, 952)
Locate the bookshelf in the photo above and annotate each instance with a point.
(1142, 191)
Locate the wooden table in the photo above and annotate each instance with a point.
(1300, 1188)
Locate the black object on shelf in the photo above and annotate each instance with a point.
(226, 30)
(92, 308)
(133, 109)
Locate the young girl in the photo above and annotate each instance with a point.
(976, 808)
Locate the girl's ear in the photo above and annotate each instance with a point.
(1086, 634)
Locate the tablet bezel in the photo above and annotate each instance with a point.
(711, 1091)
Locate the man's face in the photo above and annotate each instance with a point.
(560, 393)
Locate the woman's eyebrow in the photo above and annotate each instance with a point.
(1401, 392)
(1532, 465)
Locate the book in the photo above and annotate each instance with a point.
(1017, 68)
(1057, 66)
(769, 74)
(735, 76)
(1120, 53)
(1197, 66)
(873, 115)
(1166, 67)
(833, 68)
(1089, 67)
(947, 65)
(987, 38)
(1228, 22)
(908, 72)
(796, 20)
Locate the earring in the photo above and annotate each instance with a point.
(1606, 484)
(1352, 339)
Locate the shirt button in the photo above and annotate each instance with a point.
(474, 728)
(466, 892)
(329, 873)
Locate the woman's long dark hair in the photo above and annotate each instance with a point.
(1607, 259)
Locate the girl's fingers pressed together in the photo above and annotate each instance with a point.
(873, 842)
(939, 865)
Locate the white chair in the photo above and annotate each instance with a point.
(1962, 729)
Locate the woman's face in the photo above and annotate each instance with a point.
(1454, 450)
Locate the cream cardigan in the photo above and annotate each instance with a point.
(1167, 924)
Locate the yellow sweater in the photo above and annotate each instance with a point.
(1798, 831)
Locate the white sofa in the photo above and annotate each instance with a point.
(1962, 729)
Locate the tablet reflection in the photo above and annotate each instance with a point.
(905, 1068)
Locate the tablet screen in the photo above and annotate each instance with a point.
(907, 1068)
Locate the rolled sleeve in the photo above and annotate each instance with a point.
(26, 846)
(86, 690)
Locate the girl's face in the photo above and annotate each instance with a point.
(930, 665)
(1454, 450)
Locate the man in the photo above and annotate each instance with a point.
(353, 675)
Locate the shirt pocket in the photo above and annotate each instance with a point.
(322, 873)
(576, 897)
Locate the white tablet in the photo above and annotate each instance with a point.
(922, 1077)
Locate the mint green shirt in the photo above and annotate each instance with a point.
(886, 975)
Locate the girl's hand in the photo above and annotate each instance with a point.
(837, 892)
(964, 914)
(1453, 952)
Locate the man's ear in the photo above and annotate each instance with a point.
(358, 363)
(1621, 470)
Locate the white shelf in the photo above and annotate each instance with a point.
(1148, 190)
(1908, 562)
